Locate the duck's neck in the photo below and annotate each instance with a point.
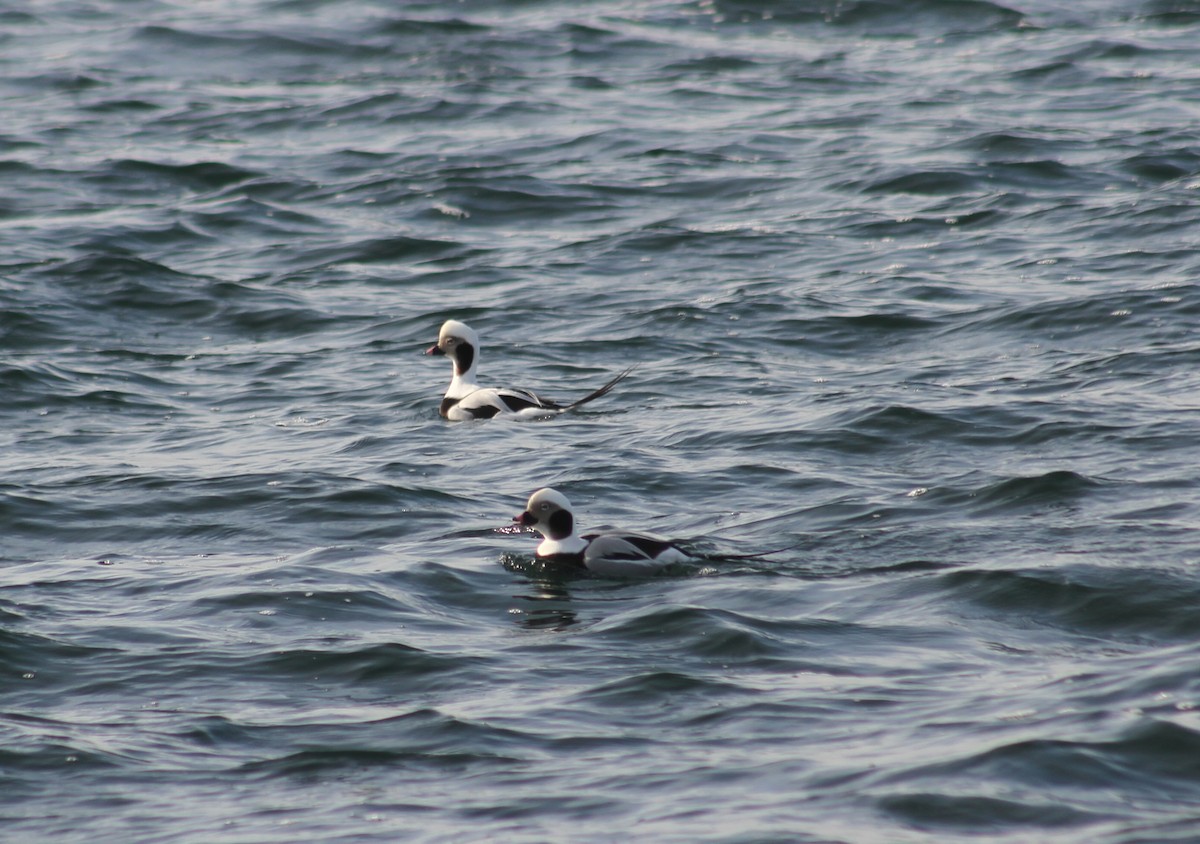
(462, 385)
(463, 381)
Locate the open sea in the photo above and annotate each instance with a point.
(912, 288)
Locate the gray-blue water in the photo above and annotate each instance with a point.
(911, 287)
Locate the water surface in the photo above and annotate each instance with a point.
(912, 291)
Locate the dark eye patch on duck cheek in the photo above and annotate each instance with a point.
(464, 356)
(561, 524)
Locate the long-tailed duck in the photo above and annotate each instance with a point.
(465, 399)
(612, 554)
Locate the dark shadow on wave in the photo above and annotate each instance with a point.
(317, 763)
(1155, 758)
(1117, 603)
(923, 18)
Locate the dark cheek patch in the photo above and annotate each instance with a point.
(561, 524)
(464, 357)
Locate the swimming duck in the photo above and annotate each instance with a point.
(611, 553)
(465, 399)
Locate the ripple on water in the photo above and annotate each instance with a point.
(1126, 604)
(911, 291)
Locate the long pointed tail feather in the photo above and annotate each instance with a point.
(595, 394)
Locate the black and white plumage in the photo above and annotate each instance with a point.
(465, 399)
(613, 553)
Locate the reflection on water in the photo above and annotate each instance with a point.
(547, 604)
(546, 607)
